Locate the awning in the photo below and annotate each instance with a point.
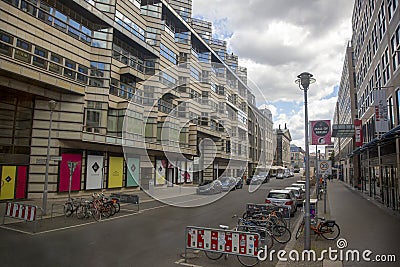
(391, 133)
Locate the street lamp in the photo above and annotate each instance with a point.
(304, 80)
(52, 106)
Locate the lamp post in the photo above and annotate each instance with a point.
(304, 80)
(52, 106)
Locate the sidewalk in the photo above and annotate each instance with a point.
(152, 194)
(365, 195)
(318, 243)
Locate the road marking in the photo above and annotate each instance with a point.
(182, 262)
(16, 230)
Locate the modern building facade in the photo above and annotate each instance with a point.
(345, 114)
(376, 44)
(143, 94)
(260, 132)
(282, 154)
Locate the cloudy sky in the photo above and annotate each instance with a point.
(277, 40)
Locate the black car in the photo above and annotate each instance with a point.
(239, 183)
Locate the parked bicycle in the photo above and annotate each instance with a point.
(71, 206)
(328, 229)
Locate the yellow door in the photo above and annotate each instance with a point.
(8, 175)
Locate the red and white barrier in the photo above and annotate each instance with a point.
(21, 211)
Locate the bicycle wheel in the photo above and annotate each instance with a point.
(96, 214)
(281, 234)
(330, 232)
(213, 255)
(81, 212)
(278, 221)
(68, 209)
(117, 207)
(106, 210)
(113, 209)
(248, 261)
(300, 230)
(267, 240)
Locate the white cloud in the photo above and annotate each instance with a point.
(277, 40)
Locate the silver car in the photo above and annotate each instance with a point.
(283, 197)
(298, 193)
(302, 186)
(210, 187)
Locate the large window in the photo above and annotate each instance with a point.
(129, 25)
(16, 114)
(168, 54)
(195, 73)
(93, 116)
(99, 72)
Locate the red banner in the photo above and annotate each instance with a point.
(358, 132)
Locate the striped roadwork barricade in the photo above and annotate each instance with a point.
(22, 211)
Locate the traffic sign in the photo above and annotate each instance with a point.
(325, 167)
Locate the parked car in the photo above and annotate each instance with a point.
(296, 170)
(239, 183)
(210, 187)
(280, 175)
(255, 179)
(228, 183)
(264, 176)
(299, 194)
(282, 197)
(302, 186)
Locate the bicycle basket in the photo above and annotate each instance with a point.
(329, 223)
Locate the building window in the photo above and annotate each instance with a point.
(115, 120)
(385, 66)
(395, 45)
(55, 67)
(382, 21)
(40, 59)
(398, 105)
(194, 73)
(69, 71)
(4, 40)
(168, 54)
(22, 54)
(93, 116)
(392, 5)
(82, 74)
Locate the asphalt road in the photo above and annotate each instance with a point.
(154, 237)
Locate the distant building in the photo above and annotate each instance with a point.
(282, 155)
(296, 157)
(328, 151)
